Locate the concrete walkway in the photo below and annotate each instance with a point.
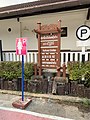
(41, 105)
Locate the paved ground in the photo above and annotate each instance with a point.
(11, 114)
(16, 114)
(44, 109)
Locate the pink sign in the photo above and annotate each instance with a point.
(21, 46)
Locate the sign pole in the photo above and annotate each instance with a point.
(22, 77)
(21, 50)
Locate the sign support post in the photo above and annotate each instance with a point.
(21, 50)
(22, 77)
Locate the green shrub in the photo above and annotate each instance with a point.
(74, 70)
(10, 70)
(29, 70)
(86, 102)
(78, 70)
(87, 79)
(13, 70)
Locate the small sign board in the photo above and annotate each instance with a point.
(83, 43)
(21, 46)
(49, 46)
(83, 32)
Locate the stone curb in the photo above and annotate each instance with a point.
(46, 96)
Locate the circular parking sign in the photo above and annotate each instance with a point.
(83, 32)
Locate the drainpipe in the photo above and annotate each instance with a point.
(20, 29)
(1, 55)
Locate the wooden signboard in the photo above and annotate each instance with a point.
(49, 46)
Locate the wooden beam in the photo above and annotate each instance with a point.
(46, 32)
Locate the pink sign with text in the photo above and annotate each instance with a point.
(21, 46)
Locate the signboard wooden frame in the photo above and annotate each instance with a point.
(49, 39)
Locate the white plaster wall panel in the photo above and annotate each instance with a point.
(8, 38)
(71, 19)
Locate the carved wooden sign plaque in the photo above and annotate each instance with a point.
(49, 46)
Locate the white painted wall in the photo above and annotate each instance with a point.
(71, 19)
(8, 38)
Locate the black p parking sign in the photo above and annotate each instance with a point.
(83, 32)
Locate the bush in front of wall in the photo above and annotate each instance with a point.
(74, 70)
(12, 70)
(29, 70)
(86, 102)
(87, 79)
(78, 71)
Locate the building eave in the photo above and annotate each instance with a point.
(42, 7)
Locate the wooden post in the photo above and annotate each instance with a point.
(58, 50)
(64, 71)
(35, 69)
(39, 49)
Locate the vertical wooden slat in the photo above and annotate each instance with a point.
(62, 58)
(66, 60)
(3, 56)
(86, 56)
(68, 56)
(10, 57)
(7, 57)
(36, 57)
(28, 60)
(31, 57)
(76, 56)
(17, 57)
(14, 57)
(80, 57)
(24, 58)
(71, 56)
